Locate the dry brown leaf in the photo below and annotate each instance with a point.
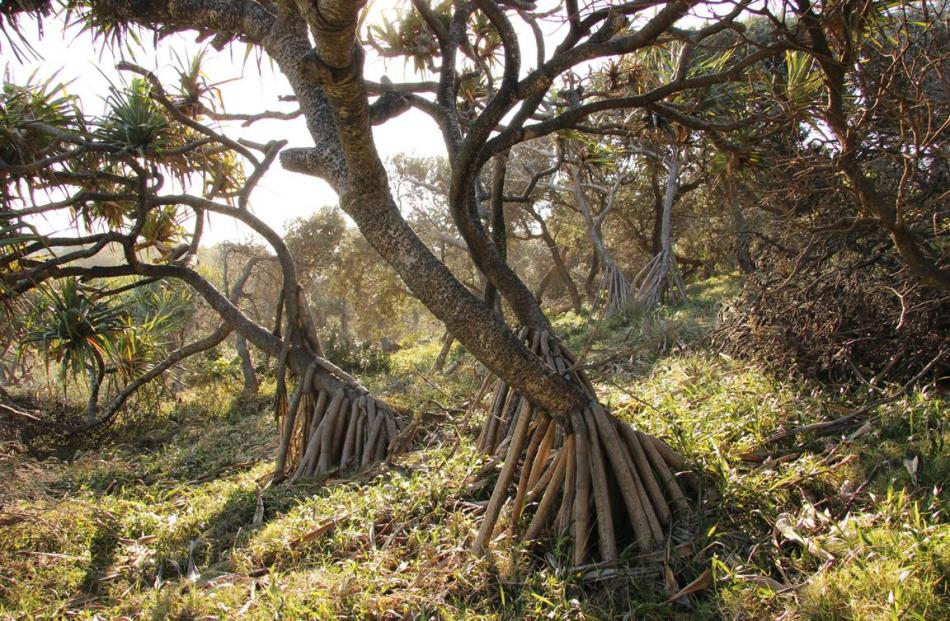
(313, 534)
(764, 581)
(672, 586)
(703, 582)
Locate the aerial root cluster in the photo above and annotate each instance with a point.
(615, 288)
(323, 432)
(594, 477)
(659, 278)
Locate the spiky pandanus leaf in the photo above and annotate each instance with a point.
(36, 101)
(72, 329)
(134, 120)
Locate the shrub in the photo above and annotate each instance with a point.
(353, 355)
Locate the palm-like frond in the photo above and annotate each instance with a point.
(408, 37)
(134, 120)
(72, 328)
(195, 93)
(43, 101)
(803, 82)
(10, 28)
(155, 313)
(98, 21)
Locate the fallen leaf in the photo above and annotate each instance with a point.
(672, 586)
(313, 534)
(703, 582)
(764, 581)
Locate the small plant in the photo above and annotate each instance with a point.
(73, 329)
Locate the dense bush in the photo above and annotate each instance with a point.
(353, 355)
(842, 309)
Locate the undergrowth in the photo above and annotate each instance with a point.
(171, 516)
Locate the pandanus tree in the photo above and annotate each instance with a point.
(76, 331)
(109, 174)
(597, 173)
(567, 463)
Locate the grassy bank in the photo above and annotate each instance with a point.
(171, 516)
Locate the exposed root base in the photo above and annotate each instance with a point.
(659, 279)
(615, 288)
(600, 475)
(324, 432)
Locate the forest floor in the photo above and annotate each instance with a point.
(169, 516)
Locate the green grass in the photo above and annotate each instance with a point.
(825, 529)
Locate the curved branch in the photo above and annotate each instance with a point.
(212, 340)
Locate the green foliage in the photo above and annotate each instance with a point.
(134, 120)
(353, 355)
(216, 366)
(899, 560)
(100, 23)
(802, 81)
(42, 101)
(316, 240)
(73, 329)
(408, 37)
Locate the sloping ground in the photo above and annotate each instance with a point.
(171, 517)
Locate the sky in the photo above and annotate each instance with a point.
(281, 196)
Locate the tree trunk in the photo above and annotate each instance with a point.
(545, 284)
(447, 341)
(590, 286)
(247, 367)
(743, 240)
(656, 237)
(95, 373)
(344, 319)
(561, 268)
(660, 276)
(367, 199)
